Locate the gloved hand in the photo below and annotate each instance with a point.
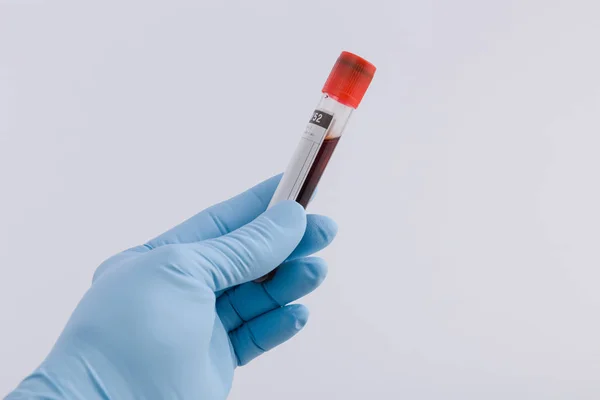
(173, 318)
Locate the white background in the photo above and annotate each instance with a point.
(466, 188)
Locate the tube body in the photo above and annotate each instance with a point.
(312, 154)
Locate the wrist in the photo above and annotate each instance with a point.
(67, 375)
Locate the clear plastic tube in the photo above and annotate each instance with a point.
(342, 93)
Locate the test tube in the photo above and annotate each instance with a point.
(342, 93)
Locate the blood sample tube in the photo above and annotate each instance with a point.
(344, 89)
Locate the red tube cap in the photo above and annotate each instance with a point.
(349, 79)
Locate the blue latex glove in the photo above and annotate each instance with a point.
(173, 318)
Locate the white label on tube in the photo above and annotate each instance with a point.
(303, 158)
